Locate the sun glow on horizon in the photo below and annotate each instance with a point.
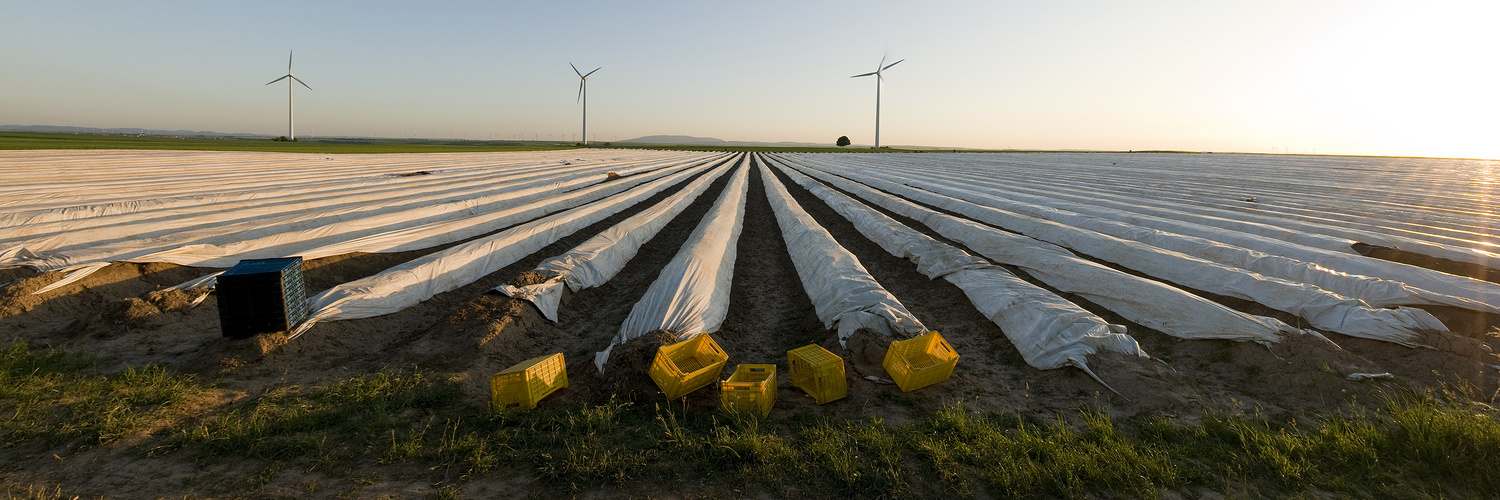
(1410, 78)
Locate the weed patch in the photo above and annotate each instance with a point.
(289, 422)
(45, 400)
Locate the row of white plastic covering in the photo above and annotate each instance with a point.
(319, 237)
(1146, 302)
(376, 194)
(1413, 204)
(208, 212)
(70, 184)
(1440, 201)
(447, 198)
(844, 295)
(596, 261)
(1295, 256)
(1376, 291)
(412, 282)
(390, 234)
(691, 294)
(1049, 331)
(1322, 309)
(1298, 241)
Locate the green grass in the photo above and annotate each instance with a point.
(293, 422)
(1408, 444)
(45, 140)
(44, 399)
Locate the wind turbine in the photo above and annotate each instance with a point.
(878, 80)
(583, 95)
(289, 79)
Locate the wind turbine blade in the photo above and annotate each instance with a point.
(580, 91)
(278, 79)
(866, 74)
(575, 70)
(299, 80)
(592, 72)
(892, 64)
(289, 62)
(882, 62)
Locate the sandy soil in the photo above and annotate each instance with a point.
(124, 316)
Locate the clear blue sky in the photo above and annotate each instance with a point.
(1363, 77)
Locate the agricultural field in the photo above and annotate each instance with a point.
(1127, 324)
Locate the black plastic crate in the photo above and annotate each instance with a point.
(261, 296)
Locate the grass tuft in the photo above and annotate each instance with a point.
(290, 421)
(47, 401)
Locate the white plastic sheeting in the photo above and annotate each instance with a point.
(59, 184)
(1374, 291)
(1395, 225)
(1149, 303)
(81, 264)
(271, 197)
(843, 293)
(375, 194)
(409, 235)
(407, 284)
(1049, 331)
(427, 235)
(594, 262)
(1336, 255)
(1437, 207)
(234, 227)
(691, 295)
(378, 231)
(1332, 253)
(1322, 309)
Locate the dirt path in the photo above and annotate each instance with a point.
(769, 311)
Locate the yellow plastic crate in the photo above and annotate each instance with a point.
(819, 372)
(529, 381)
(751, 388)
(687, 366)
(919, 362)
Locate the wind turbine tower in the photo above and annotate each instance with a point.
(879, 78)
(583, 95)
(289, 79)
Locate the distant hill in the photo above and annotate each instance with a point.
(677, 139)
(688, 140)
(117, 131)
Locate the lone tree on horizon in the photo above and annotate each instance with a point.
(843, 141)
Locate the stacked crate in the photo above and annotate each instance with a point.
(261, 296)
